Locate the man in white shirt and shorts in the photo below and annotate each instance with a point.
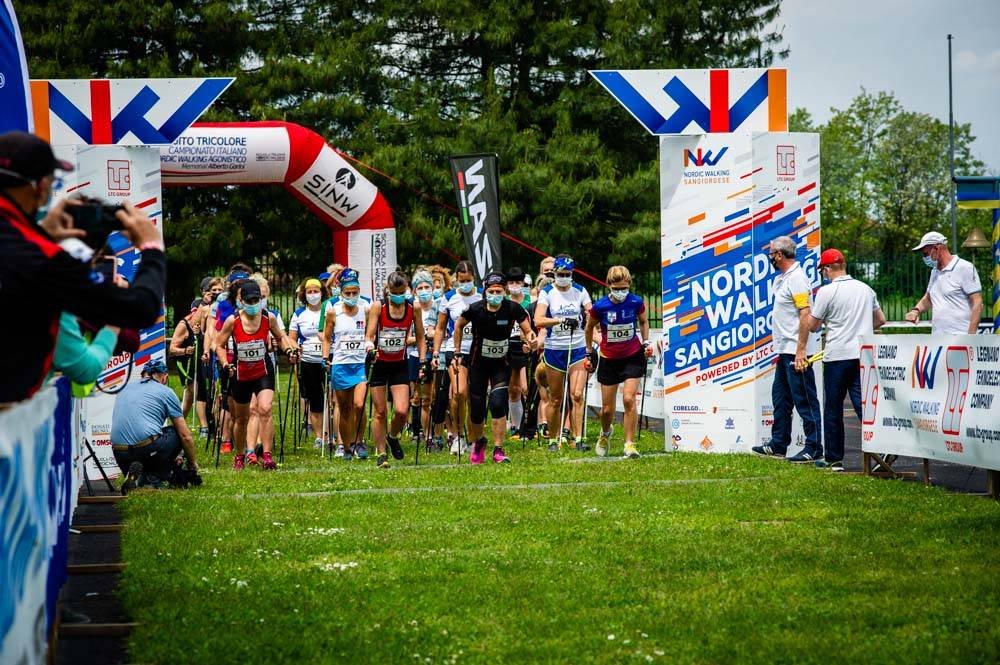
(848, 308)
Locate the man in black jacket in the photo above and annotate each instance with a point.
(38, 280)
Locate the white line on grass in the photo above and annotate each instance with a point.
(462, 488)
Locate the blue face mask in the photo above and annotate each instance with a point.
(425, 296)
(494, 299)
(929, 262)
(397, 298)
(253, 310)
(335, 292)
(351, 302)
(466, 287)
(438, 293)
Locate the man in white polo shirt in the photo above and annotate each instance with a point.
(848, 308)
(954, 294)
(794, 380)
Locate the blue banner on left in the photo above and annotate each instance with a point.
(15, 95)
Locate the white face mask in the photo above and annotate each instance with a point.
(564, 281)
(515, 289)
(313, 298)
(619, 295)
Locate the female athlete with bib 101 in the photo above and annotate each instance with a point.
(304, 329)
(455, 303)
(624, 348)
(344, 332)
(388, 323)
(491, 321)
(560, 310)
(253, 372)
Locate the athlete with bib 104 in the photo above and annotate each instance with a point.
(253, 371)
(624, 348)
(491, 321)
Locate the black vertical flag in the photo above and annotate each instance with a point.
(477, 188)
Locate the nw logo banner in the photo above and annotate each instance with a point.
(477, 189)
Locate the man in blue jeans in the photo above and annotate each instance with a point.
(794, 381)
(848, 308)
(140, 442)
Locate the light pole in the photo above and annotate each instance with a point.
(951, 157)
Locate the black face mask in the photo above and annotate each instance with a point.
(550, 274)
(773, 261)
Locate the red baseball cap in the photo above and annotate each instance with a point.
(830, 256)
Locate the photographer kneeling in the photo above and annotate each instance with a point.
(149, 451)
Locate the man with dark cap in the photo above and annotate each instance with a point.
(141, 444)
(39, 279)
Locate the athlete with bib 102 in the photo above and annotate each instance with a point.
(560, 310)
(388, 323)
(252, 372)
(624, 348)
(491, 321)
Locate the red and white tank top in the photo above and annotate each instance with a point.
(392, 333)
(251, 350)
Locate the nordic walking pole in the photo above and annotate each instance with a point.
(565, 395)
(195, 361)
(586, 408)
(284, 417)
(326, 413)
(361, 412)
(642, 403)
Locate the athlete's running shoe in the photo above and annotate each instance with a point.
(478, 454)
(453, 441)
(227, 447)
(268, 464)
(499, 456)
(554, 445)
(581, 445)
(251, 458)
(566, 437)
(203, 432)
(340, 451)
(133, 479)
(602, 445)
(543, 430)
(630, 451)
(348, 455)
(239, 462)
(318, 443)
(394, 447)
(360, 450)
(382, 461)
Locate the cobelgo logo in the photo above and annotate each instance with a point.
(664, 101)
(869, 385)
(698, 158)
(958, 363)
(924, 367)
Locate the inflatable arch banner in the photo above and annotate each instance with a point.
(283, 153)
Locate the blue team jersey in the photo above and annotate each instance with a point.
(619, 325)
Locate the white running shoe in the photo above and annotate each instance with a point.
(318, 443)
(340, 451)
(602, 445)
(454, 445)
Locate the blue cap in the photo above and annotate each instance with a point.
(565, 263)
(323, 276)
(155, 366)
(237, 275)
(349, 277)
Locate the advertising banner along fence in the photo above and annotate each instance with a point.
(15, 94)
(477, 189)
(932, 397)
(724, 197)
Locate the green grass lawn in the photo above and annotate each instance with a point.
(556, 558)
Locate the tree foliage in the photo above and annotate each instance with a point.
(403, 85)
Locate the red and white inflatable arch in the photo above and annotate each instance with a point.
(259, 153)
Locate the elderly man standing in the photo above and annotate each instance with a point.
(794, 381)
(954, 294)
(140, 442)
(849, 309)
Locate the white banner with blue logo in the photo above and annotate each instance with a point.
(932, 397)
(37, 481)
(15, 95)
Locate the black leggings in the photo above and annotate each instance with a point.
(488, 383)
(439, 400)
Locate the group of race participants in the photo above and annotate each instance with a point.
(434, 349)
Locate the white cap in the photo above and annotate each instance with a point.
(527, 279)
(931, 238)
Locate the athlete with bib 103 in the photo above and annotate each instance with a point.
(558, 315)
(624, 349)
(388, 323)
(491, 321)
(252, 372)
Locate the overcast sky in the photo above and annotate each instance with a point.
(899, 46)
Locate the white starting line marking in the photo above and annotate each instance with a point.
(487, 488)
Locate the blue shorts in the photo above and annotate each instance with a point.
(413, 366)
(346, 376)
(556, 358)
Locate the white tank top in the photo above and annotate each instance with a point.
(349, 334)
